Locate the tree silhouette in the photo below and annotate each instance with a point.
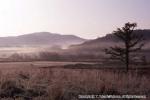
(132, 43)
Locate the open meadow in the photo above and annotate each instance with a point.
(67, 80)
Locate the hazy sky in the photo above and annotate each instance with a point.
(85, 18)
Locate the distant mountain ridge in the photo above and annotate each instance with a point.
(40, 38)
(112, 38)
(109, 39)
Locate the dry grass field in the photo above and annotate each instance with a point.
(40, 81)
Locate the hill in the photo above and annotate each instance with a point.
(96, 46)
(40, 38)
(110, 39)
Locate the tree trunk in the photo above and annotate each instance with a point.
(127, 52)
(127, 61)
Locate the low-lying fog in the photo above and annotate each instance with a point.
(7, 51)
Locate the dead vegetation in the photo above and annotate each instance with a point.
(67, 84)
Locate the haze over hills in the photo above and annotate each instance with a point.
(40, 38)
(109, 40)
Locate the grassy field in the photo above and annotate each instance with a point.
(44, 81)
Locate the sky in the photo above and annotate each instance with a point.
(84, 18)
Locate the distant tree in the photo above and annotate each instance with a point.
(132, 43)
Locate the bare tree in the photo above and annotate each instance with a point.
(132, 43)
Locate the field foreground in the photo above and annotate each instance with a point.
(42, 81)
